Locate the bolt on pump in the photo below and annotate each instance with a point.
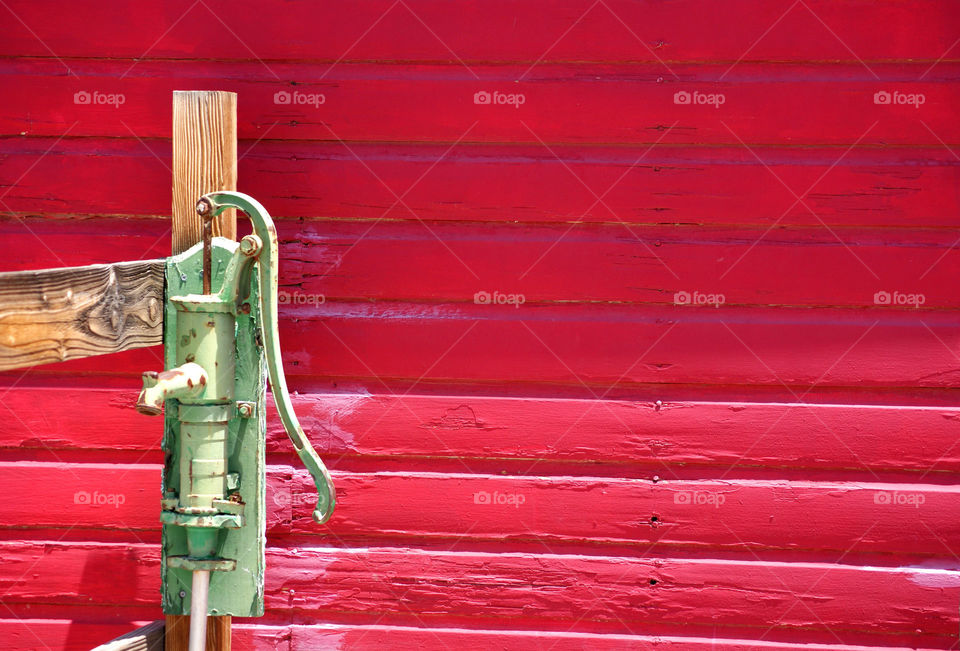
(220, 343)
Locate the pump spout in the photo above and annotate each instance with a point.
(183, 381)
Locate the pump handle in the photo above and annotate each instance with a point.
(209, 206)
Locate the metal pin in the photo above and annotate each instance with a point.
(206, 214)
(207, 254)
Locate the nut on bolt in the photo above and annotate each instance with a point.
(204, 208)
(245, 409)
(251, 245)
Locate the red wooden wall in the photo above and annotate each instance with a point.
(601, 466)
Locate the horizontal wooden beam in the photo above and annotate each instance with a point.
(53, 315)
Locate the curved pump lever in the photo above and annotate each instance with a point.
(209, 206)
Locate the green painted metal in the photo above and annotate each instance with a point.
(238, 591)
(219, 348)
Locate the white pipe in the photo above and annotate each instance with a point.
(198, 610)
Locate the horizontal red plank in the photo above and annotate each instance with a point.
(812, 602)
(642, 515)
(645, 437)
(598, 348)
(912, 521)
(73, 635)
(665, 185)
(108, 496)
(460, 263)
(569, 104)
(309, 638)
(37, 243)
(605, 346)
(501, 30)
(457, 263)
(609, 437)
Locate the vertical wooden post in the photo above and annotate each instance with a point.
(204, 160)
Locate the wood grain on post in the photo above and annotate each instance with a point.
(177, 634)
(204, 160)
(53, 315)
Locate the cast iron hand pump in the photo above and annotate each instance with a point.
(217, 342)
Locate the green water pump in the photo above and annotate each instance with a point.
(220, 343)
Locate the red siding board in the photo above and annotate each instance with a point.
(301, 638)
(502, 31)
(603, 346)
(558, 592)
(78, 635)
(631, 105)
(449, 262)
(477, 183)
(908, 520)
(608, 438)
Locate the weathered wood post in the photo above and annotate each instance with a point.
(204, 160)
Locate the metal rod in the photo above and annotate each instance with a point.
(207, 261)
(198, 610)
